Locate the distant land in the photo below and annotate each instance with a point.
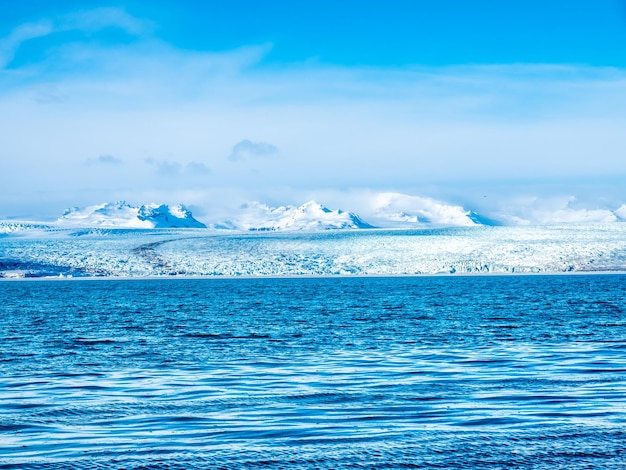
(256, 216)
(387, 210)
(121, 214)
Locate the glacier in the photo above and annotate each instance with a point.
(38, 250)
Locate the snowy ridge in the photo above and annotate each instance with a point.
(121, 214)
(620, 213)
(256, 216)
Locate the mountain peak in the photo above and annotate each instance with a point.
(311, 215)
(122, 214)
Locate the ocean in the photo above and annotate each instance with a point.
(314, 372)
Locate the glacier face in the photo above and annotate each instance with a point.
(39, 251)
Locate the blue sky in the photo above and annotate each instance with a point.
(375, 33)
(213, 103)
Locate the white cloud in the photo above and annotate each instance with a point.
(247, 149)
(532, 210)
(168, 169)
(407, 210)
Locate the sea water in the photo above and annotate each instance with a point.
(331, 372)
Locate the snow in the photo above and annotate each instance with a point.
(310, 216)
(123, 215)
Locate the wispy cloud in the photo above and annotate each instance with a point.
(20, 34)
(88, 21)
(106, 17)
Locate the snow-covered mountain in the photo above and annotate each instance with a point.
(381, 210)
(255, 216)
(121, 214)
(403, 210)
(620, 213)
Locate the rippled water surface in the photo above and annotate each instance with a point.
(432, 372)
